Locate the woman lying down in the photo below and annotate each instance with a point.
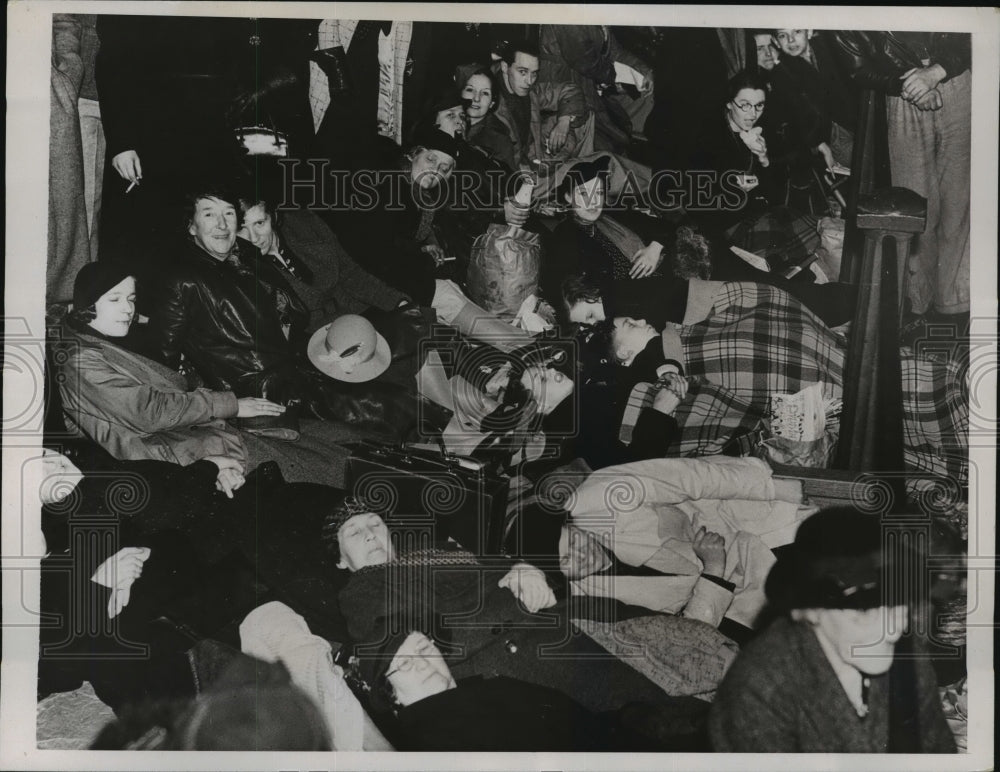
(736, 344)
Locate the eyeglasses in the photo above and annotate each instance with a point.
(416, 663)
(746, 107)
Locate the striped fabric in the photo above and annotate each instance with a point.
(935, 420)
(759, 341)
(711, 420)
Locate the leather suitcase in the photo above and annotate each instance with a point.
(432, 494)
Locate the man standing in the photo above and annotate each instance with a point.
(927, 80)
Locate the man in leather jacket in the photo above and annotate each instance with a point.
(926, 77)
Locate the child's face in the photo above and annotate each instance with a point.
(793, 42)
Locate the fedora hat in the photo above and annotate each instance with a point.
(349, 349)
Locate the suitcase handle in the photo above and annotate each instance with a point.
(406, 453)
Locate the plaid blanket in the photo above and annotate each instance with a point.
(711, 419)
(760, 341)
(935, 420)
(781, 236)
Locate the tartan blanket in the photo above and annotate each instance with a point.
(780, 235)
(935, 421)
(711, 419)
(759, 340)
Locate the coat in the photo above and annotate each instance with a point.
(663, 503)
(782, 696)
(876, 60)
(559, 99)
(137, 409)
(339, 285)
(490, 632)
(68, 239)
(815, 96)
(585, 56)
(225, 322)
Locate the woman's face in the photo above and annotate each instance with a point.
(364, 541)
(480, 95)
(587, 312)
(588, 199)
(746, 108)
(865, 639)
(431, 167)
(418, 670)
(451, 121)
(258, 229)
(115, 309)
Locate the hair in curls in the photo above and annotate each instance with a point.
(351, 506)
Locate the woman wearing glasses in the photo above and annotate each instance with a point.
(732, 166)
(737, 177)
(420, 706)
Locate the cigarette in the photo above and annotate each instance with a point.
(447, 259)
(129, 188)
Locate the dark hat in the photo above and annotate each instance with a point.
(430, 136)
(837, 561)
(94, 279)
(252, 717)
(581, 172)
(444, 99)
(251, 705)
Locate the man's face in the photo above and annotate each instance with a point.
(864, 639)
(630, 337)
(521, 75)
(431, 167)
(258, 229)
(418, 670)
(580, 553)
(364, 541)
(587, 312)
(451, 121)
(766, 54)
(792, 41)
(214, 226)
(588, 200)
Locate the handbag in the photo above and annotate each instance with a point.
(433, 492)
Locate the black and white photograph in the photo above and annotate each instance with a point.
(422, 386)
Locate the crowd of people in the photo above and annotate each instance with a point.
(547, 254)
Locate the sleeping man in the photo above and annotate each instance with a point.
(681, 536)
